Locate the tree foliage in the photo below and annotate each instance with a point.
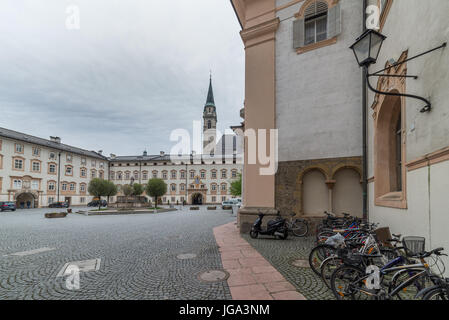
(101, 188)
(127, 190)
(138, 189)
(156, 188)
(236, 186)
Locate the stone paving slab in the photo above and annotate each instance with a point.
(290, 258)
(252, 277)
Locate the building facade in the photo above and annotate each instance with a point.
(297, 51)
(408, 151)
(31, 167)
(36, 172)
(316, 95)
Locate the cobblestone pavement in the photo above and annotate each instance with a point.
(281, 254)
(138, 255)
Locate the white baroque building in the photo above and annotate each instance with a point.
(36, 172)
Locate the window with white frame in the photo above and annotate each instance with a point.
(68, 171)
(83, 172)
(173, 187)
(203, 174)
(82, 187)
(19, 148)
(214, 199)
(17, 184)
(36, 166)
(51, 200)
(183, 174)
(64, 186)
(223, 187)
(214, 174)
(82, 200)
(51, 186)
(18, 164)
(72, 187)
(35, 185)
(223, 174)
(52, 168)
(36, 151)
(192, 174)
(173, 174)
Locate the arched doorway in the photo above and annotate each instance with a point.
(26, 200)
(197, 199)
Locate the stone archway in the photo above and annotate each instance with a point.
(26, 200)
(197, 198)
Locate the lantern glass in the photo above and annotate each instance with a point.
(367, 47)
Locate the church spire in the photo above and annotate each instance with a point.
(210, 95)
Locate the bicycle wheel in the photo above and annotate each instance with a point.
(318, 255)
(409, 292)
(437, 294)
(328, 267)
(347, 283)
(299, 228)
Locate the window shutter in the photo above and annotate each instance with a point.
(298, 33)
(334, 21)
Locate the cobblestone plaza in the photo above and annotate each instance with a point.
(138, 255)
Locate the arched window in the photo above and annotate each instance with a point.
(315, 22)
(389, 164)
(315, 193)
(318, 24)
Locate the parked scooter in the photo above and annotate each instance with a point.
(277, 228)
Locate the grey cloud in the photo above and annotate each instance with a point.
(136, 70)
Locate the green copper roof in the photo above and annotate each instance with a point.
(210, 95)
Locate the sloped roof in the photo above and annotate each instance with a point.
(48, 143)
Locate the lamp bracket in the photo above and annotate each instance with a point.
(428, 106)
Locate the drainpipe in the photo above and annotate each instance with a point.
(59, 172)
(365, 130)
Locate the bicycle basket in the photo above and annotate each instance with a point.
(414, 245)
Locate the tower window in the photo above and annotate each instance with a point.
(209, 124)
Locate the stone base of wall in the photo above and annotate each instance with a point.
(288, 185)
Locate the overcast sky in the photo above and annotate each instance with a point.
(132, 73)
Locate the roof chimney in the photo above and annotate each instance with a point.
(162, 153)
(55, 139)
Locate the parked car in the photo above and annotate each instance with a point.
(227, 204)
(60, 204)
(96, 203)
(7, 205)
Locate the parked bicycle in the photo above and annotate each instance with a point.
(298, 227)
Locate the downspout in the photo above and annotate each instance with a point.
(365, 130)
(59, 172)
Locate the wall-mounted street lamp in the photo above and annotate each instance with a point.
(366, 50)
